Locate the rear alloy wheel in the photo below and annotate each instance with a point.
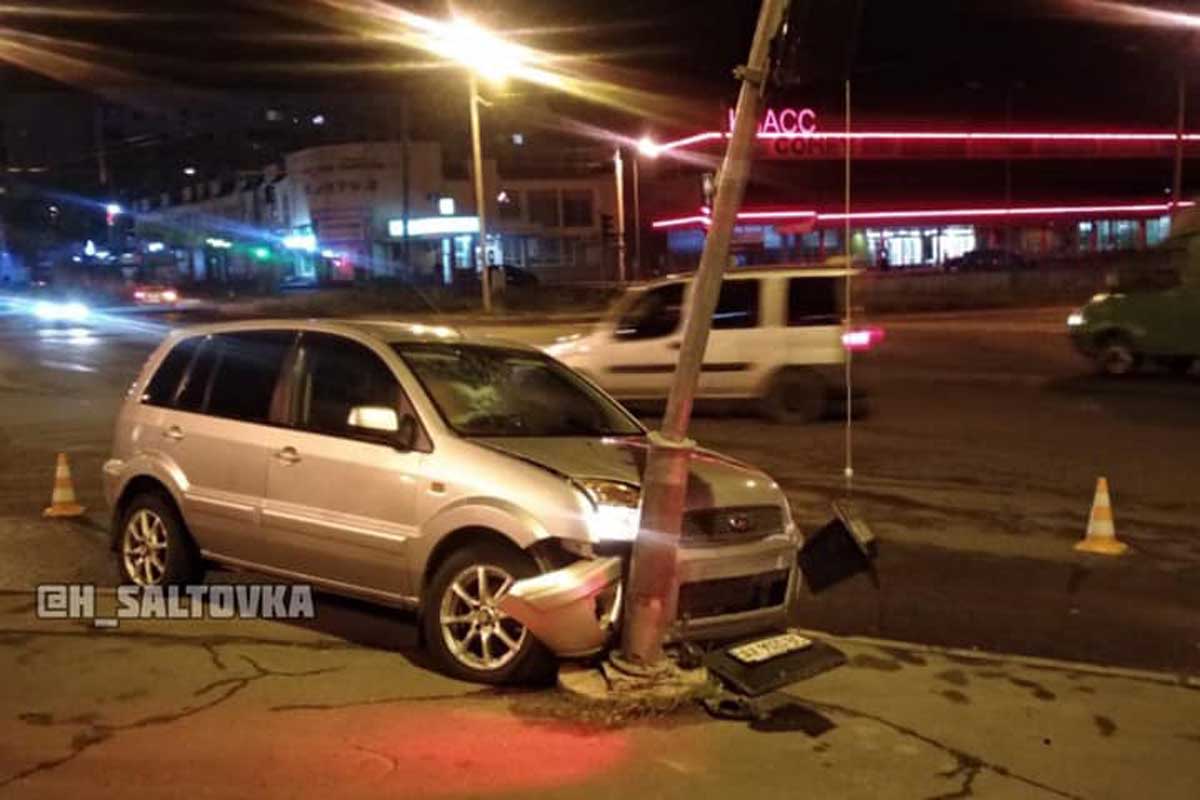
(155, 548)
(1117, 358)
(464, 628)
(795, 395)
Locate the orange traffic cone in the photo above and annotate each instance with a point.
(62, 501)
(1101, 537)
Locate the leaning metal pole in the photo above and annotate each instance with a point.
(653, 585)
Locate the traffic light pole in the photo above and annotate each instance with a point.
(652, 589)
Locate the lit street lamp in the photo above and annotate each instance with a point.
(484, 55)
(645, 147)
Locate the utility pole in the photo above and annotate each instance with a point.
(619, 173)
(1181, 104)
(485, 279)
(653, 584)
(637, 219)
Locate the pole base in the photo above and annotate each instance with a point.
(1102, 546)
(660, 689)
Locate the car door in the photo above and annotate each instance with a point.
(736, 342)
(640, 358)
(341, 493)
(814, 320)
(217, 431)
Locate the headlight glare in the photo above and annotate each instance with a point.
(615, 510)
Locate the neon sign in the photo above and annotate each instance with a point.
(786, 121)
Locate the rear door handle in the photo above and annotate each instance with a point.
(173, 432)
(287, 455)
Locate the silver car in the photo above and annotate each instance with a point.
(415, 467)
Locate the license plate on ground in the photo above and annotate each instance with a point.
(771, 647)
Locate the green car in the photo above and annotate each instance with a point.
(1151, 312)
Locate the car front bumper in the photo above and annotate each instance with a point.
(726, 591)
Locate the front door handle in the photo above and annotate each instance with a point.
(173, 432)
(674, 345)
(287, 455)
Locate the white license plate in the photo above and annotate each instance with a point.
(771, 647)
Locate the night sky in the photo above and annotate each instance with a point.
(918, 60)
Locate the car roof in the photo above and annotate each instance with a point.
(384, 331)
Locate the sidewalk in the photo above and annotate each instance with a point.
(233, 709)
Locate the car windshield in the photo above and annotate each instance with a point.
(493, 391)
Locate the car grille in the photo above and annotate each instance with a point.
(732, 524)
(732, 595)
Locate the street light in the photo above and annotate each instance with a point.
(488, 56)
(648, 148)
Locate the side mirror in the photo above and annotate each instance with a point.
(384, 423)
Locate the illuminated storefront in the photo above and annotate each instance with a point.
(924, 195)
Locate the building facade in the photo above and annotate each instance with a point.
(381, 209)
(919, 197)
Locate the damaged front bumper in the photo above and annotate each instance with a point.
(725, 592)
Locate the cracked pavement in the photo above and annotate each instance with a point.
(230, 708)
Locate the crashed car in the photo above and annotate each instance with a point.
(414, 467)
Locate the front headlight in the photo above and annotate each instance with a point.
(615, 510)
(1075, 319)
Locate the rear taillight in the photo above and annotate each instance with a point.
(862, 338)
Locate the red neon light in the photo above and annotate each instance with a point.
(966, 136)
(958, 213)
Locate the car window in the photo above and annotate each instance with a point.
(813, 301)
(494, 391)
(737, 305)
(653, 314)
(337, 375)
(246, 373)
(193, 393)
(163, 386)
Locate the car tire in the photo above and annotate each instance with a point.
(154, 547)
(1116, 357)
(479, 645)
(795, 395)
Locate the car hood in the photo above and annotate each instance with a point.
(713, 480)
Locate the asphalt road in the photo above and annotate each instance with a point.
(975, 467)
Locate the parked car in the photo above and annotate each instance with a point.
(776, 340)
(407, 465)
(987, 259)
(517, 276)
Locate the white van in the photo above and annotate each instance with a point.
(777, 339)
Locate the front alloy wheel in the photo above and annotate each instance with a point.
(463, 626)
(474, 628)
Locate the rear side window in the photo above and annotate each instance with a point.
(337, 375)
(737, 305)
(247, 370)
(162, 387)
(813, 301)
(193, 391)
